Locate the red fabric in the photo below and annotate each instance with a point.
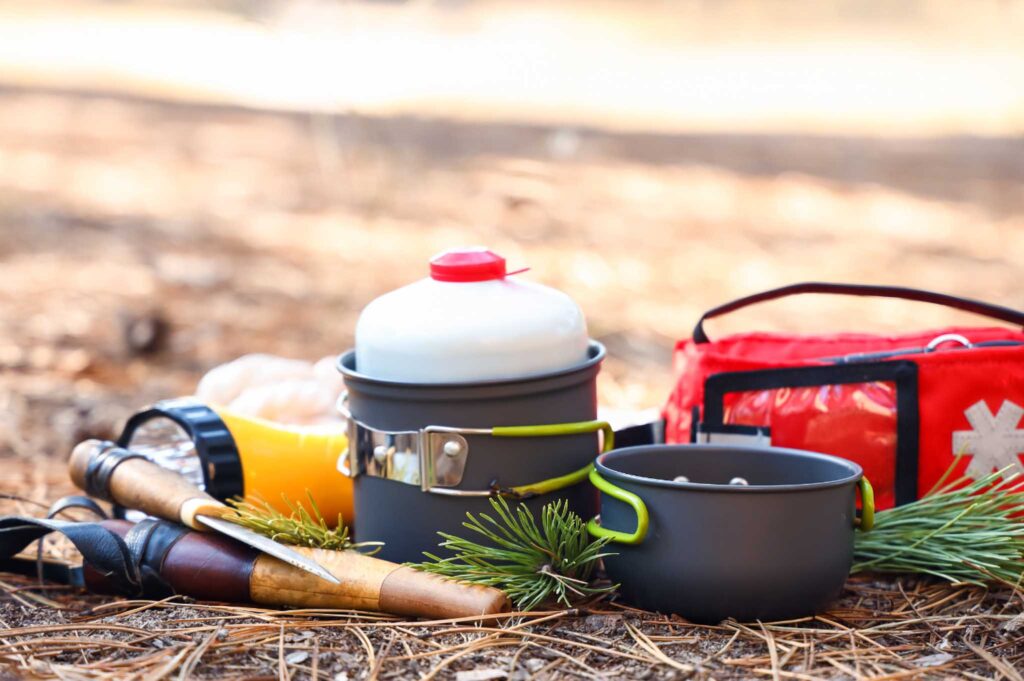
(858, 421)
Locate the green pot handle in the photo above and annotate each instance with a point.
(642, 517)
(578, 428)
(867, 505)
(563, 481)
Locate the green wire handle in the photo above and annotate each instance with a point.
(570, 479)
(642, 517)
(867, 505)
(578, 428)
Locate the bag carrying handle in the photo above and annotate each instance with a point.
(999, 312)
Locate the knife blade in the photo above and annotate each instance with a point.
(119, 475)
(267, 546)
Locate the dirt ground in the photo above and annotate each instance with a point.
(142, 243)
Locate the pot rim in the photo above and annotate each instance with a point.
(855, 471)
(595, 355)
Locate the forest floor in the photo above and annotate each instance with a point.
(142, 243)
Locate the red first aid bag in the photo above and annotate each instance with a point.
(900, 406)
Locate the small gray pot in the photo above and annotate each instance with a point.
(521, 441)
(779, 547)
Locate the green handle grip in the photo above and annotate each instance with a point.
(552, 484)
(867, 505)
(553, 429)
(578, 428)
(639, 507)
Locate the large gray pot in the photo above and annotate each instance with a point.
(779, 548)
(408, 519)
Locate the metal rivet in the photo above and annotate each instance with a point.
(739, 481)
(452, 448)
(680, 478)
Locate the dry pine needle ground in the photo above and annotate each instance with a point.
(896, 628)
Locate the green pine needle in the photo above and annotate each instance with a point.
(964, 533)
(531, 563)
(301, 528)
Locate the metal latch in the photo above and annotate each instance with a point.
(431, 457)
(434, 458)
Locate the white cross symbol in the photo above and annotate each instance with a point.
(993, 441)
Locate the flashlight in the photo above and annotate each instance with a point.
(229, 455)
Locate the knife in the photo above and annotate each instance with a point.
(213, 567)
(121, 476)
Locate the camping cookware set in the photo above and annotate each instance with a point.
(473, 383)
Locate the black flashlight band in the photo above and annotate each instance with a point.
(220, 461)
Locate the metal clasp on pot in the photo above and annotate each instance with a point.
(434, 457)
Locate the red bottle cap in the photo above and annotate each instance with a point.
(467, 264)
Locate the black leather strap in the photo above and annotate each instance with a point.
(46, 571)
(132, 564)
(1004, 314)
(100, 547)
(76, 501)
(148, 542)
(64, 504)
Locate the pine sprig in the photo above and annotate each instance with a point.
(964, 532)
(301, 528)
(532, 563)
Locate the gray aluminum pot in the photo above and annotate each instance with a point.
(778, 548)
(407, 518)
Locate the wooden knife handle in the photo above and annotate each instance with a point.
(141, 484)
(369, 583)
(412, 592)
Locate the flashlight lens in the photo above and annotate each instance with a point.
(166, 444)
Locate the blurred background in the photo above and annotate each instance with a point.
(185, 182)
